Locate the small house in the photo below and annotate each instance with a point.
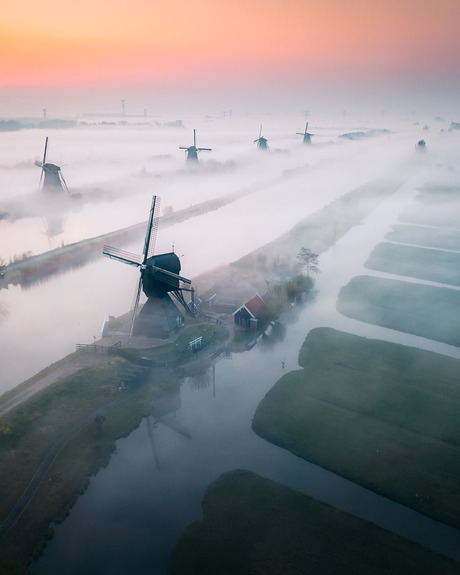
(247, 315)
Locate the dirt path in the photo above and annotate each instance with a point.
(52, 374)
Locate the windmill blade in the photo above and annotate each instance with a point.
(171, 277)
(152, 227)
(122, 256)
(136, 303)
(41, 178)
(194, 137)
(183, 147)
(204, 149)
(260, 131)
(64, 183)
(306, 127)
(44, 153)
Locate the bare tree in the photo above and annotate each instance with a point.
(309, 260)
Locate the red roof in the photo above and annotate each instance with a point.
(255, 305)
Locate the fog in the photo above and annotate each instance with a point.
(113, 168)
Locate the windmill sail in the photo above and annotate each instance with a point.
(122, 256)
(152, 228)
(261, 141)
(306, 135)
(159, 277)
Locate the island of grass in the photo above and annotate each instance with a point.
(423, 310)
(417, 262)
(441, 238)
(382, 415)
(254, 525)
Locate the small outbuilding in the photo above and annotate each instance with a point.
(247, 315)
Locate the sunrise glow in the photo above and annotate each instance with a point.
(177, 44)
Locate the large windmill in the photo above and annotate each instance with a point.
(51, 176)
(262, 143)
(159, 278)
(306, 135)
(191, 152)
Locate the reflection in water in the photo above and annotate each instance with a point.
(198, 375)
(150, 426)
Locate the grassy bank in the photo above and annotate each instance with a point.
(441, 238)
(422, 310)
(382, 415)
(319, 231)
(253, 525)
(30, 431)
(422, 263)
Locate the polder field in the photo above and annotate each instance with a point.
(380, 414)
(253, 525)
(425, 247)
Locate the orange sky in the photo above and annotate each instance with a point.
(179, 44)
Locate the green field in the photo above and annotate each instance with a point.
(380, 414)
(254, 526)
(441, 238)
(422, 310)
(422, 263)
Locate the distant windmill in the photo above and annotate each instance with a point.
(191, 152)
(53, 181)
(262, 143)
(158, 279)
(306, 135)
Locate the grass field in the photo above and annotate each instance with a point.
(441, 238)
(422, 310)
(254, 526)
(380, 414)
(422, 263)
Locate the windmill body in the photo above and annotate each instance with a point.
(159, 280)
(155, 282)
(262, 143)
(51, 178)
(191, 152)
(306, 135)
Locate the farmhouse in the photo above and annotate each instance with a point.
(248, 314)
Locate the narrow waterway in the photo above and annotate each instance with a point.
(134, 510)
